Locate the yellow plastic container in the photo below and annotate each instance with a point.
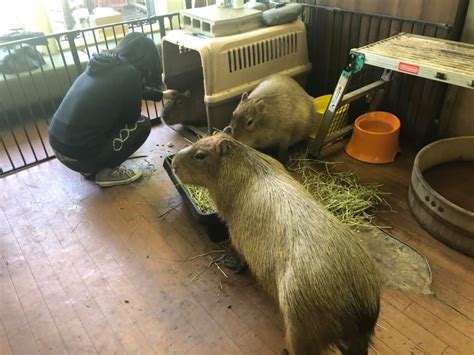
(340, 119)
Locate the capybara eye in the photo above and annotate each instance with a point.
(200, 155)
(249, 122)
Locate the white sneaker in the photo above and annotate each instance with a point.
(117, 176)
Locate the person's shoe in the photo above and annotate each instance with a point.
(117, 176)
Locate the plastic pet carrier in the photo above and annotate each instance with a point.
(222, 68)
(213, 21)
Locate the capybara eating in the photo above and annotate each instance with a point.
(323, 280)
(277, 113)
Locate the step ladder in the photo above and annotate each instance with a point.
(430, 58)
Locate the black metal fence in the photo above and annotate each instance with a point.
(37, 74)
(28, 99)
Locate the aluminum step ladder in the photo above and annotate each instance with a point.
(430, 58)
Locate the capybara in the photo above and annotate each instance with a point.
(185, 108)
(324, 282)
(277, 113)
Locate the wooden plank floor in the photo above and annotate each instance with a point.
(91, 270)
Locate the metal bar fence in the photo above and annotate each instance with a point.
(29, 97)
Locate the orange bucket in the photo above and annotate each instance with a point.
(375, 138)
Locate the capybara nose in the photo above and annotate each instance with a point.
(178, 157)
(228, 130)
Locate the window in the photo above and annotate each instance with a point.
(16, 14)
(75, 14)
(62, 15)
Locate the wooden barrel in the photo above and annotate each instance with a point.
(441, 217)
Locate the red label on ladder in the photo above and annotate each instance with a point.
(408, 68)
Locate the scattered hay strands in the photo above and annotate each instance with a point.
(339, 192)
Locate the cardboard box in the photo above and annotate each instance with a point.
(105, 16)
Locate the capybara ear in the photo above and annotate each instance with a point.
(228, 130)
(245, 96)
(225, 145)
(260, 105)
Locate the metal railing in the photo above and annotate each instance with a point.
(29, 97)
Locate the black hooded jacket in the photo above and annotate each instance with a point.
(105, 97)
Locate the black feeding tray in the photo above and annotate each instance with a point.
(216, 229)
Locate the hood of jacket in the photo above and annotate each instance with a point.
(101, 62)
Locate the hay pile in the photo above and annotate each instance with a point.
(201, 198)
(339, 192)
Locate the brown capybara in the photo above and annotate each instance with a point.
(322, 279)
(277, 113)
(184, 107)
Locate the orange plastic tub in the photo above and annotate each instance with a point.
(375, 138)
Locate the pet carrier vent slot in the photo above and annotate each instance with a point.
(261, 52)
(206, 26)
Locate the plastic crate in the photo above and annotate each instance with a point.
(213, 21)
(216, 229)
(221, 69)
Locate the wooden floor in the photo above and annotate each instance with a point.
(91, 270)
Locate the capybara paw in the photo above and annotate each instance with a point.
(233, 262)
(241, 268)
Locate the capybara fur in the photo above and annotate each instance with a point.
(185, 108)
(277, 113)
(324, 282)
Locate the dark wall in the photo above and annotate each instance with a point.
(427, 10)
